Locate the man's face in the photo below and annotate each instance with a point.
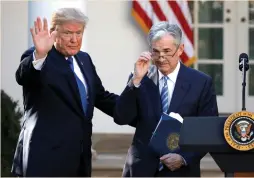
(165, 54)
(69, 38)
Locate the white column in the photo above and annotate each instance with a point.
(45, 9)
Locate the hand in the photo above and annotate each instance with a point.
(43, 41)
(172, 160)
(141, 67)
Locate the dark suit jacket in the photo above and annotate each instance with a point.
(55, 128)
(141, 107)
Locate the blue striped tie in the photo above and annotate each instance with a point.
(81, 87)
(164, 103)
(164, 94)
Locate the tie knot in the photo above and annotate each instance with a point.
(70, 60)
(165, 78)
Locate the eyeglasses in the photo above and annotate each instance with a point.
(156, 55)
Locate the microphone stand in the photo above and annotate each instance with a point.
(245, 67)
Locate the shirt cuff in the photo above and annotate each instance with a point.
(136, 85)
(38, 64)
(184, 162)
(131, 84)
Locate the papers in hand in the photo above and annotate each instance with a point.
(176, 116)
(166, 134)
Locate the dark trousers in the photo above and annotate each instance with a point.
(83, 170)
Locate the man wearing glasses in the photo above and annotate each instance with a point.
(165, 86)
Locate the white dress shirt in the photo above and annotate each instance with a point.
(38, 64)
(171, 81)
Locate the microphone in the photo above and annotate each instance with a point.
(243, 66)
(243, 62)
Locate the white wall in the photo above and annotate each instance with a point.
(114, 43)
(14, 28)
(113, 40)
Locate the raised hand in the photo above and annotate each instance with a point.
(42, 39)
(141, 67)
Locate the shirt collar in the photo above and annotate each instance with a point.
(173, 75)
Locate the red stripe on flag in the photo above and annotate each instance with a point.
(157, 10)
(142, 14)
(179, 15)
(184, 57)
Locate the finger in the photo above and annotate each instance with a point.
(146, 55)
(45, 24)
(170, 167)
(164, 157)
(35, 27)
(146, 52)
(144, 59)
(32, 30)
(39, 24)
(53, 35)
(173, 169)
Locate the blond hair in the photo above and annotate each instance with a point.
(63, 15)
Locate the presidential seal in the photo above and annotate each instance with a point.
(239, 130)
(172, 141)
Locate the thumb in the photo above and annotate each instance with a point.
(164, 157)
(53, 35)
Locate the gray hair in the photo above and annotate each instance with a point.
(163, 28)
(63, 15)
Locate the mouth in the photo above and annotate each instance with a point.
(162, 64)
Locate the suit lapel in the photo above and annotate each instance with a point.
(181, 89)
(64, 69)
(85, 68)
(155, 91)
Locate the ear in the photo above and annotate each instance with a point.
(180, 50)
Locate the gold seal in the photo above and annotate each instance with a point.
(239, 130)
(172, 141)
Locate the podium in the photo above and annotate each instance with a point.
(206, 134)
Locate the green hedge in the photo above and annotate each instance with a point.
(10, 121)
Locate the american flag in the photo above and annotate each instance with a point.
(148, 12)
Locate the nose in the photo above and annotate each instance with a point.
(74, 38)
(161, 58)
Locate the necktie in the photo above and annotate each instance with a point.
(164, 94)
(81, 87)
(164, 103)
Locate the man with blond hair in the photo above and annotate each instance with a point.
(60, 90)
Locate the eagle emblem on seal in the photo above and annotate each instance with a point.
(172, 141)
(243, 129)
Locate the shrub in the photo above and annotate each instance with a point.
(10, 120)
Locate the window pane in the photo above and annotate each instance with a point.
(251, 12)
(191, 7)
(210, 11)
(210, 43)
(251, 80)
(251, 44)
(216, 72)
